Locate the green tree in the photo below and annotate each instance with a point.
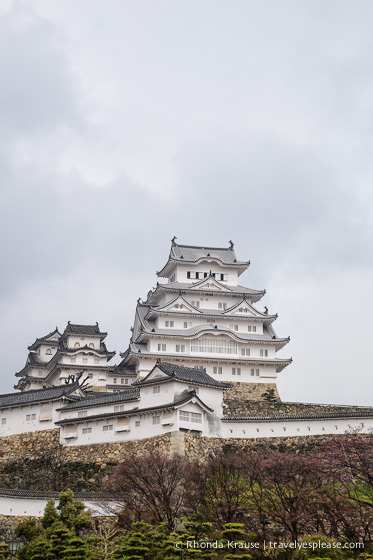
(77, 550)
(59, 537)
(4, 552)
(72, 514)
(40, 550)
(50, 515)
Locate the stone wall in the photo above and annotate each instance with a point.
(8, 523)
(37, 461)
(248, 407)
(197, 447)
(249, 391)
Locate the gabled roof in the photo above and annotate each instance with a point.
(180, 373)
(186, 397)
(41, 395)
(100, 399)
(183, 301)
(225, 256)
(88, 330)
(46, 339)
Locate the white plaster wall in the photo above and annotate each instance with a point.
(98, 435)
(16, 422)
(34, 507)
(83, 341)
(292, 428)
(181, 271)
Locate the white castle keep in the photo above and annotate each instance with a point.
(198, 342)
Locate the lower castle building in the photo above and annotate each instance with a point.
(202, 358)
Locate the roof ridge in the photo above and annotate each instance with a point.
(203, 247)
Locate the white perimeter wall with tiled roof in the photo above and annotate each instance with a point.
(287, 428)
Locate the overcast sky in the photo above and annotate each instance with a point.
(124, 123)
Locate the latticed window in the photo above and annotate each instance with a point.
(214, 346)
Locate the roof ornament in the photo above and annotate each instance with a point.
(138, 301)
(181, 256)
(210, 272)
(208, 254)
(173, 240)
(231, 244)
(265, 310)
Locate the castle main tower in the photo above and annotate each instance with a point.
(202, 317)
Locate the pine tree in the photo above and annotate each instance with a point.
(4, 552)
(76, 550)
(72, 513)
(59, 537)
(50, 515)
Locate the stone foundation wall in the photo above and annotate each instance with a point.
(37, 461)
(245, 407)
(8, 523)
(249, 391)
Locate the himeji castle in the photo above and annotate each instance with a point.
(202, 318)
(202, 358)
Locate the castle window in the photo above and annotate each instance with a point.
(186, 416)
(223, 277)
(254, 372)
(90, 375)
(185, 325)
(169, 323)
(180, 348)
(156, 389)
(217, 369)
(214, 346)
(73, 360)
(85, 360)
(3, 421)
(49, 352)
(119, 408)
(76, 345)
(245, 351)
(114, 380)
(222, 305)
(126, 381)
(236, 370)
(87, 430)
(264, 352)
(30, 417)
(107, 427)
(161, 347)
(251, 328)
(137, 424)
(157, 419)
(96, 361)
(82, 413)
(195, 303)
